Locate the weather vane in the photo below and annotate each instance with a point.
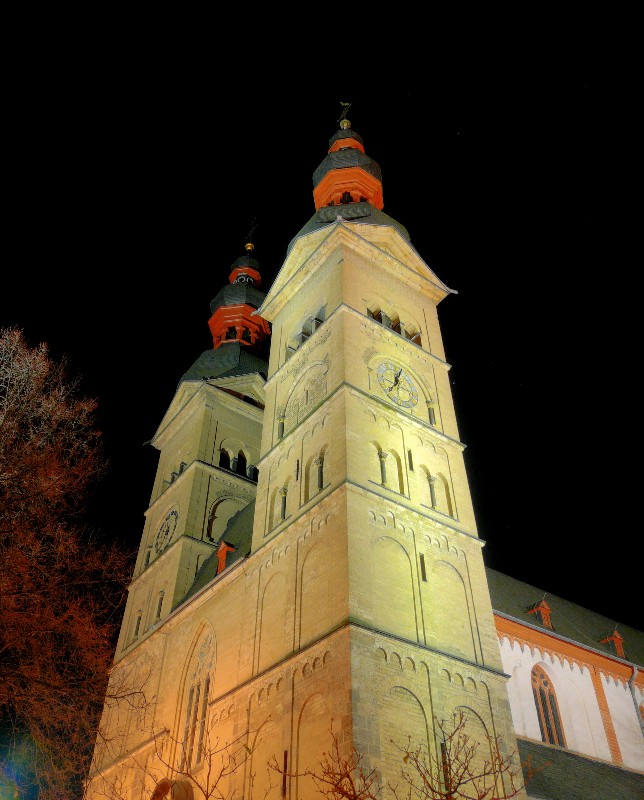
(345, 110)
(249, 244)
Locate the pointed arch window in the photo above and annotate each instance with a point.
(547, 708)
(224, 459)
(195, 727)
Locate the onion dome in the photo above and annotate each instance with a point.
(240, 336)
(234, 306)
(348, 185)
(347, 174)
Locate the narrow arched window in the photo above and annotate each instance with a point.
(319, 462)
(160, 604)
(137, 625)
(224, 459)
(432, 490)
(240, 466)
(547, 708)
(195, 726)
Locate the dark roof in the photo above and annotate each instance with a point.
(347, 157)
(363, 213)
(234, 293)
(229, 359)
(514, 598)
(570, 776)
(239, 534)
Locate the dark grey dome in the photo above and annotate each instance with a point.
(341, 159)
(229, 359)
(235, 293)
(361, 213)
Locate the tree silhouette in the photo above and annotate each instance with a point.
(462, 768)
(165, 772)
(61, 588)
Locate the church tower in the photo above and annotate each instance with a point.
(311, 532)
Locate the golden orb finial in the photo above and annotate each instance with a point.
(344, 122)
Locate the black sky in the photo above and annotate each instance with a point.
(131, 191)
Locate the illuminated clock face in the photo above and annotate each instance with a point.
(397, 384)
(166, 531)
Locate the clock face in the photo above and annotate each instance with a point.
(166, 531)
(397, 384)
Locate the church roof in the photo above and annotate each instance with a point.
(513, 598)
(232, 358)
(239, 534)
(362, 213)
(572, 776)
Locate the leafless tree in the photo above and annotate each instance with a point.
(458, 771)
(461, 768)
(61, 587)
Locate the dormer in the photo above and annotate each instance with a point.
(615, 642)
(542, 612)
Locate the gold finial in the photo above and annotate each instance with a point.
(344, 122)
(249, 246)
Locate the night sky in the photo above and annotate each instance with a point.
(131, 193)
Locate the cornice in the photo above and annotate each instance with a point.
(564, 648)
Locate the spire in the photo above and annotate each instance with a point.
(233, 309)
(347, 175)
(347, 184)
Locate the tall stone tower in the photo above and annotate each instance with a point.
(310, 563)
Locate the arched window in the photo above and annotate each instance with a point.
(319, 463)
(193, 739)
(240, 466)
(160, 604)
(547, 708)
(224, 459)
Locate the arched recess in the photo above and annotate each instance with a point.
(394, 601)
(313, 739)
(306, 394)
(314, 594)
(374, 468)
(264, 783)
(403, 722)
(222, 510)
(443, 495)
(396, 475)
(473, 734)
(275, 626)
(450, 623)
(314, 473)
